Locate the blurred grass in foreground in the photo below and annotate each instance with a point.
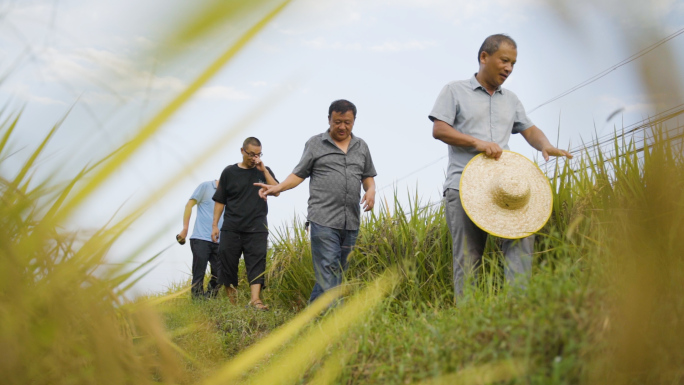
(63, 317)
(603, 305)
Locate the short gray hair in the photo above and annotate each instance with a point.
(493, 42)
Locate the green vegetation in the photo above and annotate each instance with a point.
(607, 277)
(604, 304)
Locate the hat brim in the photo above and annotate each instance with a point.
(477, 201)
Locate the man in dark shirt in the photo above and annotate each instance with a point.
(338, 163)
(245, 229)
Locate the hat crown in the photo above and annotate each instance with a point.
(510, 192)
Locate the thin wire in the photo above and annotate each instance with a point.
(609, 137)
(612, 68)
(610, 155)
(411, 173)
(634, 129)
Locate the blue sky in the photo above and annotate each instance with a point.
(390, 58)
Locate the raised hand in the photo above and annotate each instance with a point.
(259, 164)
(553, 151)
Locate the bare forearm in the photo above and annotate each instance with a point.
(447, 134)
(368, 184)
(270, 180)
(290, 182)
(536, 138)
(187, 213)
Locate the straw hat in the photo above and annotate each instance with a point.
(510, 197)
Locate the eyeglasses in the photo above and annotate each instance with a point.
(252, 155)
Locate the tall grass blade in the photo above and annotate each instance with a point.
(146, 132)
(294, 361)
(503, 371)
(247, 359)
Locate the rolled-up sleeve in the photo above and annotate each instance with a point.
(446, 106)
(521, 122)
(303, 168)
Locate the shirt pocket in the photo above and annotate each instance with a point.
(355, 165)
(474, 118)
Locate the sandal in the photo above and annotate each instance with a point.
(258, 305)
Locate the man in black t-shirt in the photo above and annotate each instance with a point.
(245, 229)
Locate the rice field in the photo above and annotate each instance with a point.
(603, 306)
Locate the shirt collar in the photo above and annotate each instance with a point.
(475, 85)
(326, 136)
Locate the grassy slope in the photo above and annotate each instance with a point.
(607, 272)
(411, 339)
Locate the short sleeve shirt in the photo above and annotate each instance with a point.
(245, 211)
(467, 107)
(336, 177)
(205, 211)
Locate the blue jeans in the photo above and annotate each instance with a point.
(329, 250)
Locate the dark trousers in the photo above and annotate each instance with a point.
(253, 246)
(204, 252)
(469, 241)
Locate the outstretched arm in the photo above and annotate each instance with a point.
(290, 182)
(447, 134)
(536, 138)
(368, 200)
(187, 213)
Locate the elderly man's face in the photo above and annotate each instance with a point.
(341, 125)
(496, 68)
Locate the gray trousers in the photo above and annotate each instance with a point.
(469, 243)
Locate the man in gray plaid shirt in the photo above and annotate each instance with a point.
(338, 163)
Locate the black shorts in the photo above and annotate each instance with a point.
(235, 243)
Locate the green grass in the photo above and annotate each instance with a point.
(603, 306)
(606, 280)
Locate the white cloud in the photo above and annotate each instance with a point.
(95, 70)
(25, 93)
(315, 15)
(316, 43)
(45, 100)
(394, 46)
(321, 43)
(259, 83)
(222, 92)
(639, 104)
